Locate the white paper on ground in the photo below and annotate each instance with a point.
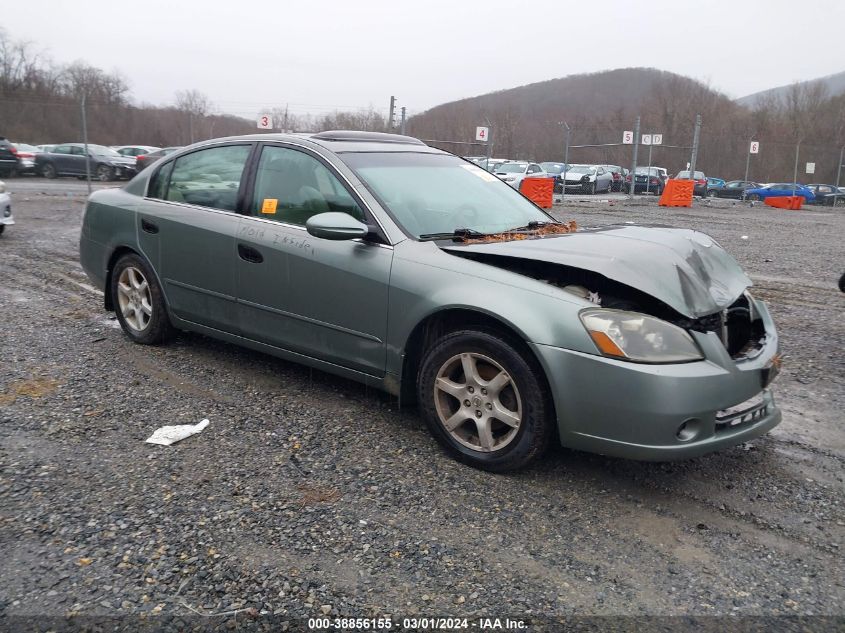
(167, 435)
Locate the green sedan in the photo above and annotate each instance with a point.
(379, 258)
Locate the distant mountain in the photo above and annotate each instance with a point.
(835, 85)
(597, 106)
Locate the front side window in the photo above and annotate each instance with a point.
(291, 186)
(208, 177)
(438, 193)
(61, 149)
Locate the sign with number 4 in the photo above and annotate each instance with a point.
(481, 133)
(265, 122)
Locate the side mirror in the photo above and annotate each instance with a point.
(335, 226)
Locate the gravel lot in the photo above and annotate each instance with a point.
(310, 495)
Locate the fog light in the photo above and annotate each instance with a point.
(688, 430)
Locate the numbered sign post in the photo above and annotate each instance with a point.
(265, 122)
(481, 134)
(646, 139)
(627, 137)
(753, 148)
(811, 168)
(657, 139)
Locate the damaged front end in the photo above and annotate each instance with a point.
(683, 352)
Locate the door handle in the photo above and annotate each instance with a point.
(148, 227)
(249, 254)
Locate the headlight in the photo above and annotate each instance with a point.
(638, 337)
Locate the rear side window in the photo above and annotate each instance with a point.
(208, 177)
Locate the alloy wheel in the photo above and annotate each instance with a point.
(134, 298)
(477, 402)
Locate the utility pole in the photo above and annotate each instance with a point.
(695, 137)
(285, 127)
(838, 172)
(489, 142)
(565, 161)
(402, 124)
(795, 170)
(390, 116)
(85, 144)
(634, 159)
(747, 165)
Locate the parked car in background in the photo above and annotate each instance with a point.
(588, 178)
(556, 170)
(827, 194)
(618, 175)
(8, 160)
(645, 180)
(713, 184)
(777, 190)
(26, 157)
(510, 329)
(514, 172)
(6, 218)
(69, 160)
(45, 148)
(142, 161)
(134, 150)
(735, 188)
(700, 187)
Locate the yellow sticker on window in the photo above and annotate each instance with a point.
(269, 205)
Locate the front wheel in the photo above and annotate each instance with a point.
(753, 197)
(485, 401)
(590, 189)
(49, 171)
(139, 301)
(105, 173)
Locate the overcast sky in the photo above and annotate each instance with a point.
(247, 55)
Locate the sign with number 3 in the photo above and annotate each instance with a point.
(265, 122)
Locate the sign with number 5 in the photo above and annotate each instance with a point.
(265, 122)
(627, 137)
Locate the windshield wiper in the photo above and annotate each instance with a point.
(456, 234)
(531, 226)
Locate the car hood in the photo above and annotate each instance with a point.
(684, 269)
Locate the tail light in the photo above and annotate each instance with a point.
(701, 182)
(653, 180)
(14, 150)
(628, 178)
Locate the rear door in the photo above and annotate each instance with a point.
(187, 224)
(324, 299)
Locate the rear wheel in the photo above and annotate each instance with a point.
(139, 301)
(484, 400)
(711, 193)
(48, 171)
(753, 197)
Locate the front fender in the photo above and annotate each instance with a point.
(426, 280)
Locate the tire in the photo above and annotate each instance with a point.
(590, 189)
(753, 197)
(49, 171)
(711, 193)
(104, 173)
(522, 400)
(139, 301)
(2, 228)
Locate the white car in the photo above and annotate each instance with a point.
(5, 208)
(514, 172)
(588, 178)
(134, 150)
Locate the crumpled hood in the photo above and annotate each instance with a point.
(684, 269)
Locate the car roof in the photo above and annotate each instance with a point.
(340, 141)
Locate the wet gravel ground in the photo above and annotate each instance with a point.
(309, 495)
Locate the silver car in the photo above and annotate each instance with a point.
(6, 217)
(514, 172)
(588, 178)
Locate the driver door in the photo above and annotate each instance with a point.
(321, 298)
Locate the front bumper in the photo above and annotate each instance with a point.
(662, 412)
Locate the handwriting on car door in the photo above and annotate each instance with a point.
(276, 238)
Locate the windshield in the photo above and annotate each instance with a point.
(438, 193)
(552, 168)
(581, 169)
(102, 150)
(512, 168)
